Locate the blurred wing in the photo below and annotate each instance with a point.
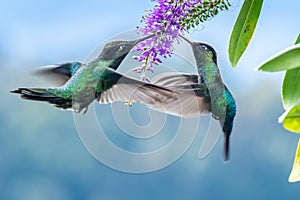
(187, 99)
(58, 74)
(130, 90)
(171, 79)
(192, 95)
(184, 106)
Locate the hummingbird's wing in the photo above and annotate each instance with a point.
(126, 89)
(192, 94)
(171, 79)
(58, 74)
(175, 94)
(178, 81)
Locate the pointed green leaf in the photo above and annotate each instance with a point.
(291, 86)
(295, 173)
(243, 29)
(292, 120)
(284, 60)
(298, 40)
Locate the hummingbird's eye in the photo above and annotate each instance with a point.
(204, 47)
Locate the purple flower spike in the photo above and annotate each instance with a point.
(164, 21)
(167, 20)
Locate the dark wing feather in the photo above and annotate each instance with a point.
(193, 96)
(58, 74)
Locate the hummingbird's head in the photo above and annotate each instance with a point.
(205, 51)
(116, 51)
(202, 51)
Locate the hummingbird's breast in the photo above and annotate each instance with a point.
(82, 86)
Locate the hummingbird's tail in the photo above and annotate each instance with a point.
(226, 146)
(40, 94)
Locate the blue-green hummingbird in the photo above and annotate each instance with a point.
(99, 80)
(212, 94)
(223, 106)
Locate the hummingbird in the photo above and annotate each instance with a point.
(207, 85)
(223, 106)
(97, 79)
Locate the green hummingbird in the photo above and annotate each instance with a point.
(211, 93)
(223, 105)
(99, 80)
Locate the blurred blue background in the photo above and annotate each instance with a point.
(42, 156)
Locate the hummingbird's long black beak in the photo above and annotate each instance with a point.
(187, 40)
(135, 42)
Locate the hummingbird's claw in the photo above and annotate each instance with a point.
(77, 111)
(129, 103)
(77, 108)
(85, 110)
(215, 117)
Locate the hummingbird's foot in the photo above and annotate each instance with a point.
(215, 116)
(129, 103)
(77, 108)
(77, 111)
(85, 110)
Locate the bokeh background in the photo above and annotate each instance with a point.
(42, 157)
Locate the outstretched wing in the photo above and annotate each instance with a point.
(126, 89)
(172, 93)
(173, 79)
(192, 93)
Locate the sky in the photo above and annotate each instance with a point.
(43, 156)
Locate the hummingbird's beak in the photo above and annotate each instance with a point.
(187, 40)
(135, 42)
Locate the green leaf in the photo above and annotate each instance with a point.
(286, 59)
(291, 86)
(243, 29)
(295, 173)
(292, 120)
(298, 40)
